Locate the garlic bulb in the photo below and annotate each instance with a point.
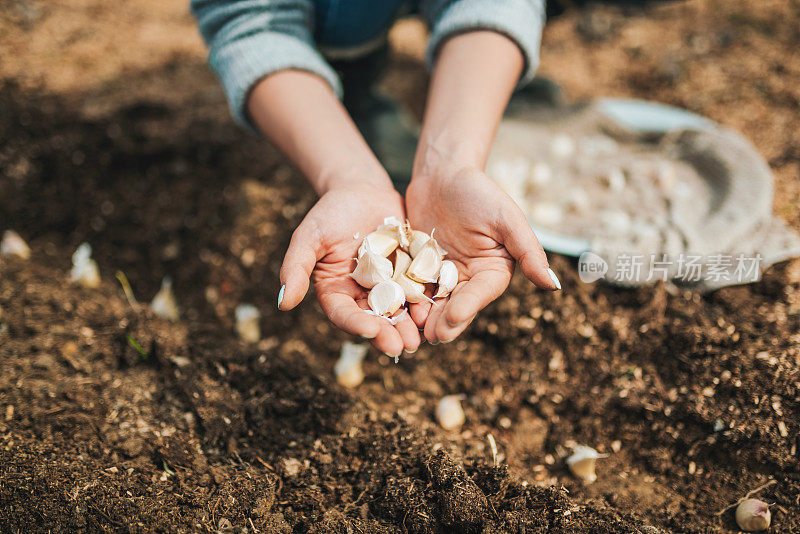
(382, 242)
(426, 264)
(448, 278)
(84, 269)
(414, 291)
(14, 245)
(163, 303)
(401, 263)
(417, 240)
(348, 367)
(582, 462)
(449, 413)
(371, 268)
(753, 515)
(247, 323)
(386, 298)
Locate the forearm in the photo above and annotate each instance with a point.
(472, 82)
(300, 114)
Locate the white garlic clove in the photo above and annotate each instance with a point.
(414, 291)
(247, 323)
(541, 174)
(401, 263)
(582, 462)
(449, 413)
(386, 298)
(164, 304)
(382, 242)
(84, 269)
(348, 369)
(562, 146)
(426, 264)
(614, 179)
(417, 240)
(448, 278)
(753, 515)
(548, 214)
(371, 269)
(14, 245)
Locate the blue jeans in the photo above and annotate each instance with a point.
(341, 24)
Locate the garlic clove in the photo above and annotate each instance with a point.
(84, 269)
(348, 369)
(371, 269)
(401, 263)
(448, 278)
(382, 242)
(449, 413)
(14, 245)
(414, 291)
(247, 323)
(417, 240)
(582, 462)
(386, 298)
(426, 264)
(753, 515)
(164, 304)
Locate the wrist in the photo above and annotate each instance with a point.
(440, 157)
(352, 176)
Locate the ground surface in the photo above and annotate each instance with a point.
(112, 131)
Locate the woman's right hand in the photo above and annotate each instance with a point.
(322, 249)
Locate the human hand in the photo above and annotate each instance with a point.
(484, 233)
(323, 247)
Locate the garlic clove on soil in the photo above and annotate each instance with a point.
(386, 298)
(84, 269)
(414, 291)
(582, 461)
(449, 413)
(247, 323)
(426, 264)
(164, 304)
(348, 369)
(14, 245)
(448, 278)
(371, 268)
(382, 242)
(753, 515)
(417, 240)
(401, 263)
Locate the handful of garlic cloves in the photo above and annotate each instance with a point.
(398, 264)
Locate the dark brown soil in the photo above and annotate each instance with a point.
(695, 398)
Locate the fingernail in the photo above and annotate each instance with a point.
(280, 295)
(411, 351)
(554, 278)
(365, 336)
(434, 342)
(395, 356)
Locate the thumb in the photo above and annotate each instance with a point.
(298, 264)
(521, 242)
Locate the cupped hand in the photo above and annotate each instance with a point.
(322, 248)
(484, 233)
